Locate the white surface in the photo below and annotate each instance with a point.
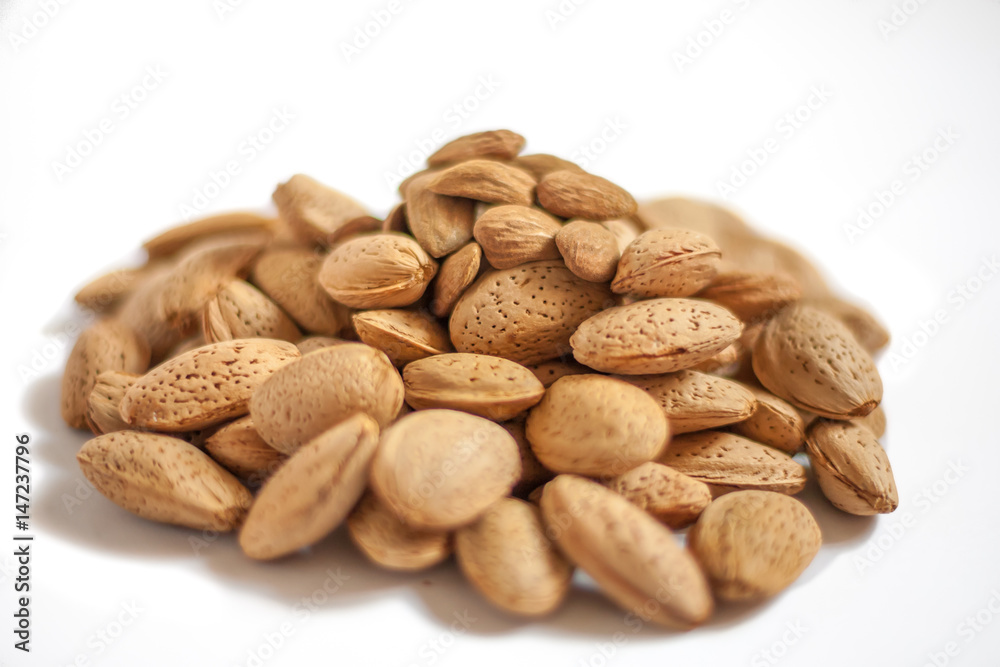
(684, 131)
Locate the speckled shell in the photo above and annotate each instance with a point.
(667, 262)
(695, 401)
(377, 271)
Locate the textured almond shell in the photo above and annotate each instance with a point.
(377, 271)
(671, 497)
(696, 401)
(107, 292)
(386, 541)
(869, 332)
(322, 389)
(205, 386)
(633, 558)
(490, 387)
(773, 422)
(441, 224)
(404, 335)
(238, 448)
(851, 467)
(441, 469)
(595, 425)
(313, 492)
(104, 402)
(313, 210)
(666, 262)
(240, 310)
(751, 296)
(165, 479)
(811, 360)
(727, 462)
(654, 336)
(754, 544)
(290, 276)
(177, 238)
(507, 557)
(526, 314)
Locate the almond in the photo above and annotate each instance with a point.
(654, 336)
(441, 469)
(377, 271)
(441, 224)
(404, 335)
(548, 372)
(313, 343)
(165, 479)
(457, 272)
(752, 296)
(874, 421)
(695, 401)
(107, 345)
(205, 386)
(533, 473)
(671, 497)
(589, 250)
(868, 331)
(490, 387)
(852, 468)
(774, 423)
(526, 314)
(754, 544)
(180, 237)
(577, 194)
(290, 276)
(390, 543)
(667, 262)
(313, 492)
(811, 360)
(625, 230)
(635, 560)
(694, 214)
(141, 311)
(486, 180)
(313, 210)
(396, 220)
(354, 227)
(727, 462)
(238, 448)
(514, 235)
(240, 310)
(595, 425)
(540, 164)
(498, 144)
(508, 558)
(322, 389)
(105, 293)
(105, 399)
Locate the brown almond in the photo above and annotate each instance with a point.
(441, 469)
(868, 331)
(498, 144)
(752, 296)
(107, 292)
(589, 250)
(313, 492)
(388, 542)
(526, 314)
(312, 210)
(577, 194)
(290, 276)
(595, 425)
(654, 336)
(105, 399)
(457, 272)
(635, 560)
(514, 235)
(395, 221)
(240, 310)
(165, 479)
(667, 262)
(507, 557)
(238, 448)
(727, 462)
(377, 271)
(313, 343)
(141, 311)
(774, 423)
(754, 544)
(696, 401)
(533, 473)
(540, 164)
(205, 386)
(874, 421)
(851, 467)
(107, 345)
(625, 230)
(404, 335)
(490, 387)
(440, 224)
(810, 359)
(354, 227)
(486, 180)
(671, 497)
(322, 389)
(178, 238)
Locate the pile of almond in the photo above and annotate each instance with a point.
(518, 365)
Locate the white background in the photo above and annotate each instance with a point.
(685, 127)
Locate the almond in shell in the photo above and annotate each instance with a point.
(312, 210)
(671, 497)
(440, 223)
(695, 401)
(851, 467)
(377, 271)
(773, 422)
(240, 310)
(404, 335)
(667, 262)
(290, 276)
(239, 449)
(388, 542)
